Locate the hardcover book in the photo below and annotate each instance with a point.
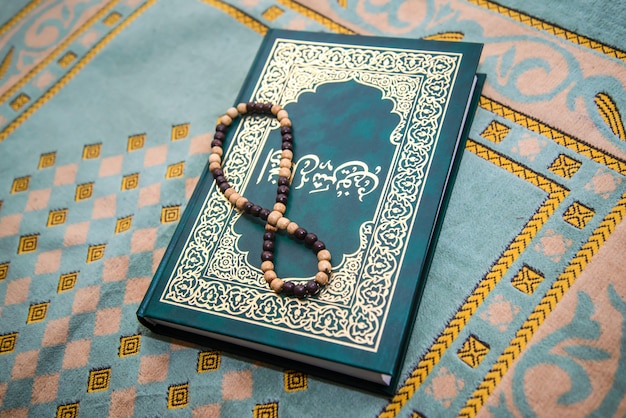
(379, 126)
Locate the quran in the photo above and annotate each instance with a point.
(379, 127)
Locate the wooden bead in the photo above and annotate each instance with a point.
(282, 114)
(291, 229)
(284, 172)
(228, 192)
(234, 197)
(240, 203)
(276, 108)
(280, 207)
(323, 255)
(273, 217)
(285, 162)
(215, 158)
(232, 112)
(285, 122)
(277, 285)
(324, 266)
(321, 278)
(282, 223)
(214, 166)
(217, 150)
(287, 153)
(269, 275)
(242, 108)
(271, 228)
(226, 120)
(267, 265)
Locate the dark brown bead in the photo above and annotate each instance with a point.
(269, 236)
(287, 145)
(247, 207)
(216, 143)
(221, 127)
(312, 287)
(283, 190)
(224, 186)
(264, 213)
(300, 233)
(217, 172)
(251, 107)
(285, 130)
(283, 181)
(318, 246)
(219, 136)
(266, 108)
(267, 256)
(287, 137)
(268, 245)
(219, 180)
(255, 210)
(282, 198)
(299, 291)
(288, 288)
(310, 239)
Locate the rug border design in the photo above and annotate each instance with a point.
(313, 15)
(19, 16)
(239, 15)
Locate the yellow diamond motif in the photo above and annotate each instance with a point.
(28, 244)
(170, 214)
(180, 131)
(67, 282)
(112, 18)
(123, 224)
(67, 411)
(130, 181)
(20, 184)
(473, 351)
(178, 396)
(19, 102)
(208, 361)
(565, 166)
(272, 13)
(37, 312)
(57, 217)
(47, 160)
(130, 345)
(268, 410)
(91, 151)
(4, 270)
(83, 191)
(294, 381)
(7, 343)
(136, 142)
(527, 280)
(495, 132)
(578, 215)
(95, 252)
(175, 170)
(99, 380)
(67, 59)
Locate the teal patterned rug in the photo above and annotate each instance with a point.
(106, 108)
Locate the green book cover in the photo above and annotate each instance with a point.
(377, 123)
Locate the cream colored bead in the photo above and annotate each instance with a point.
(232, 112)
(215, 158)
(285, 122)
(233, 198)
(282, 223)
(276, 108)
(280, 207)
(291, 228)
(269, 276)
(226, 120)
(321, 278)
(217, 150)
(271, 228)
(284, 172)
(273, 217)
(228, 192)
(323, 255)
(214, 166)
(266, 266)
(242, 108)
(284, 162)
(277, 285)
(241, 202)
(324, 266)
(287, 153)
(282, 114)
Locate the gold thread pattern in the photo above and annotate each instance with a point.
(175, 170)
(473, 351)
(552, 29)
(47, 160)
(610, 113)
(495, 132)
(238, 15)
(170, 214)
(123, 224)
(527, 280)
(67, 59)
(267, 410)
(6, 62)
(83, 191)
(294, 381)
(67, 282)
(446, 36)
(19, 102)
(130, 345)
(68, 410)
(7, 342)
(75, 69)
(208, 361)
(272, 13)
(578, 215)
(178, 396)
(37, 312)
(313, 15)
(91, 151)
(99, 380)
(136, 142)
(95, 252)
(57, 217)
(130, 181)
(552, 297)
(20, 184)
(28, 244)
(4, 270)
(557, 136)
(180, 131)
(556, 194)
(565, 166)
(112, 18)
(19, 16)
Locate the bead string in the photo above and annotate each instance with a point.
(275, 219)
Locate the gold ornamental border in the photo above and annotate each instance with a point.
(19, 16)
